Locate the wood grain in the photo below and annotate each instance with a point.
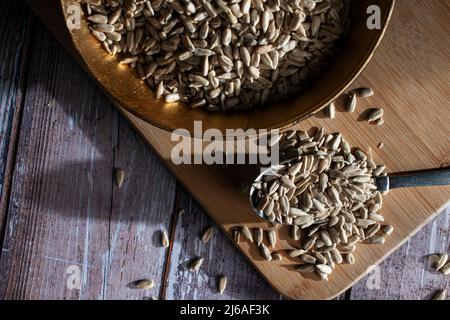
(410, 71)
(65, 211)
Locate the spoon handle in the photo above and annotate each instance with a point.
(425, 178)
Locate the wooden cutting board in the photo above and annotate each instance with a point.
(410, 74)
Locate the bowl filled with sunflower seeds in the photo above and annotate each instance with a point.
(229, 63)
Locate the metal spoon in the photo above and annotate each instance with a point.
(424, 178)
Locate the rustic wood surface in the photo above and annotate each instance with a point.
(61, 210)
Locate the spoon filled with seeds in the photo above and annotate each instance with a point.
(323, 179)
(331, 196)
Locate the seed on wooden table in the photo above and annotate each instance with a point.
(323, 268)
(246, 233)
(265, 252)
(308, 268)
(364, 92)
(440, 295)
(119, 176)
(351, 103)
(375, 114)
(306, 258)
(207, 234)
(380, 145)
(272, 237)
(222, 284)
(349, 258)
(164, 239)
(196, 264)
(144, 284)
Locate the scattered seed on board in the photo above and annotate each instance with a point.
(272, 237)
(164, 239)
(388, 229)
(119, 176)
(443, 258)
(144, 284)
(440, 295)
(445, 269)
(196, 264)
(222, 284)
(375, 114)
(332, 205)
(236, 236)
(380, 145)
(277, 256)
(207, 234)
(259, 234)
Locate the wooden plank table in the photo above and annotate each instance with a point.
(67, 232)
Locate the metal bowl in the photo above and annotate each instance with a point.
(122, 86)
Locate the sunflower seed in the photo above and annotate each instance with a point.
(375, 114)
(441, 261)
(277, 256)
(440, 295)
(222, 284)
(272, 237)
(246, 233)
(364, 92)
(351, 103)
(307, 268)
(164, 239)
(259, 236)
(207, 234)
(271, 47)
(119, 176)
(349, 258)
(330, 111)
(265, 252)
(445, 269)
(144, 284)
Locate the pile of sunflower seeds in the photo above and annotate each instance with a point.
(224, 54)
(328, 196)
